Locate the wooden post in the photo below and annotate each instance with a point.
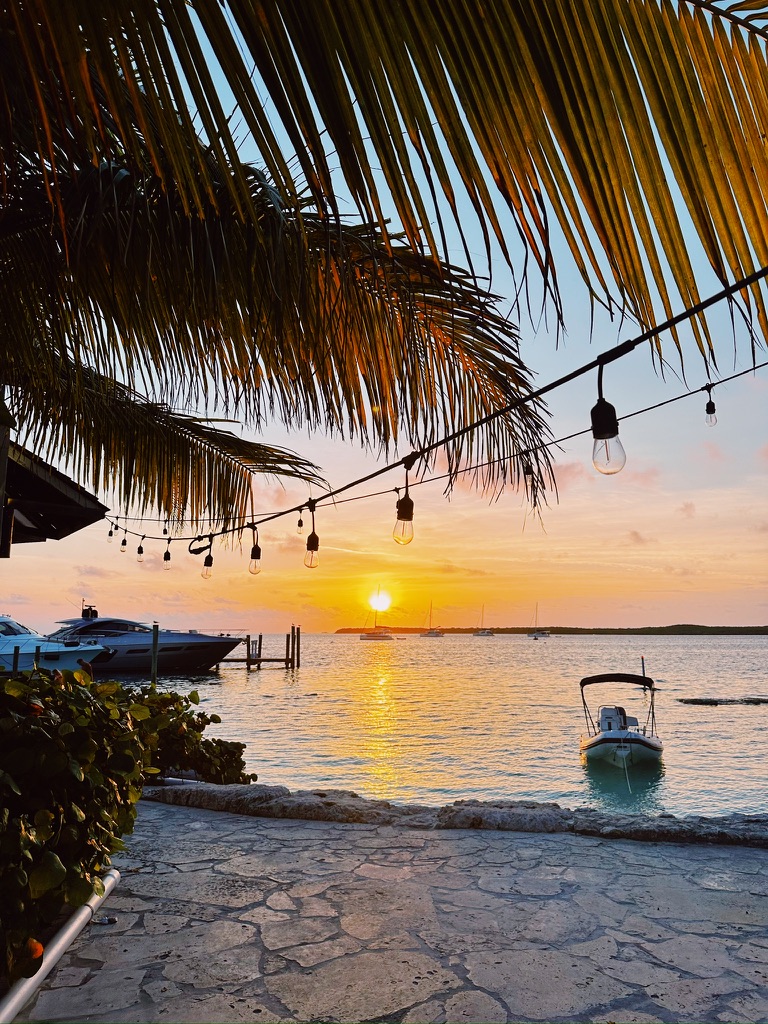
(258, 650)
(293, 646)
(298, 647)
(287, 649)
(248, 659)
(155, 646)
(36, 662)
(16, 651)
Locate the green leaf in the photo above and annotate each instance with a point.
(48, 873)
(140, 712)
(78, 891)
(194, 697)
(44, 825)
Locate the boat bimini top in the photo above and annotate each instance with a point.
(620, 677)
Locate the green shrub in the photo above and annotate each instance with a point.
(178, 743)
(73, 757)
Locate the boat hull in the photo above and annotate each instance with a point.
(178, 655)
(620, 748)
(47, 655)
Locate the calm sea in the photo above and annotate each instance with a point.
(436, 720)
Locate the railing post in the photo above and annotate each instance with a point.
(287, 649)
(298, 647)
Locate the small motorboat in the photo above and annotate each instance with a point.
(618, 738)
(131, 645)
(22, 649)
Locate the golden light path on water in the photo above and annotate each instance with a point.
(433, 721)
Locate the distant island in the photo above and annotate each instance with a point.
(682, 629)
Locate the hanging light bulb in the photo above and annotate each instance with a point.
(167, 557)
(311, 558)
(254, 566)
(608, 455)
(124, 543)
(208, 560)
(403, 531)
(530, 483)
(111, 533)
(140, 550)
(165, 529)
(711, 418)
(300, 526)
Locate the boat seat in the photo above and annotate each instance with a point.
(632, 721)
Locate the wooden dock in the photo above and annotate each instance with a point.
(255, 658)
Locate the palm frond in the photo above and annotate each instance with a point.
(315, 323)
(148, 455)
(580, 112)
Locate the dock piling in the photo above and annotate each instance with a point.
(254, 657)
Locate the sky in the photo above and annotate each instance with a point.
(680, 535)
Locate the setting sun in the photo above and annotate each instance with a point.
(380, 601)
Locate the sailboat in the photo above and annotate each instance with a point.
(482, 631)
(536, 633)
(378, 632)
(431, 631)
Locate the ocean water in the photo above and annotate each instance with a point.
(436, 720)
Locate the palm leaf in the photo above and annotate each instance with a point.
(146, 454)
(584, 109)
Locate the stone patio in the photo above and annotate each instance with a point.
(223, 917)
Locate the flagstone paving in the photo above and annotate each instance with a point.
(222, 917)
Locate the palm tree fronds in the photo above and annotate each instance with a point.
(148, 455)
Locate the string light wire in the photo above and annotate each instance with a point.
(558, 442)
(602, 360)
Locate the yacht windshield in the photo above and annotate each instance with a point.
(10, 628)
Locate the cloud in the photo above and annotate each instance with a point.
(638, 539)
(687, 509)
(569, 473)
(95, 572)
(762, 453)
(450, 569)
(643, 477)
(762, 527)
(713, 451)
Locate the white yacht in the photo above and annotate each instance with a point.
(22, 649)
